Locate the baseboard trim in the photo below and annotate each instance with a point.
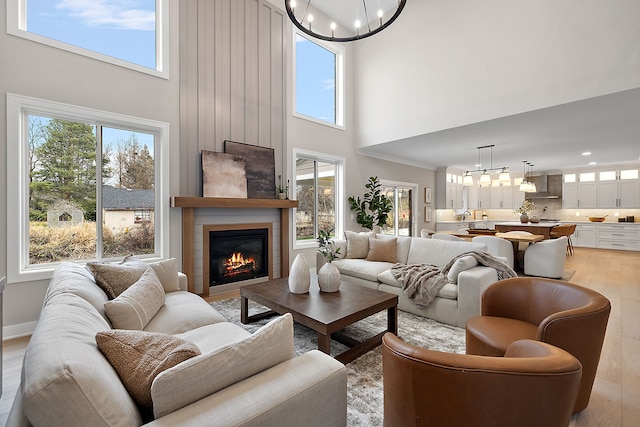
(19, 330)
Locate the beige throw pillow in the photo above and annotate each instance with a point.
(116, 278)
(358, 243)
(206, 374)
(167, 271)
(383, 250)
(136, 306)
(138, 357)
(460, 265)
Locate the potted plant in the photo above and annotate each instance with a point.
(283, 192)
(328, 275)
(374, 207)
(525, 207)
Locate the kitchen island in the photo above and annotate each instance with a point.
(543, 228)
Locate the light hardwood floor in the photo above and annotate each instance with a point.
(615, 400)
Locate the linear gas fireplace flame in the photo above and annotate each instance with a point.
(237, 253)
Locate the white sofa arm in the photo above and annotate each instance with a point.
(308, 390)
(471, 286)
(183, 281)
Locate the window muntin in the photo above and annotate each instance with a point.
(64, 158)
(317, 189)
(318, 81)
(133, 34)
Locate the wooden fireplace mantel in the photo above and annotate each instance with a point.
(189, 204)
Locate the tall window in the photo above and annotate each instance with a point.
(128, 33)
(318, 81)
(87, 185)
(318, 189)
(401, 219)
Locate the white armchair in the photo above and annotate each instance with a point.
(497, 247)
(546, 258)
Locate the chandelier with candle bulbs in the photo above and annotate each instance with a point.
(357, 18)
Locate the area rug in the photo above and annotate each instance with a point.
(364, 375)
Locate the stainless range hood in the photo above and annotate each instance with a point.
(547, 186)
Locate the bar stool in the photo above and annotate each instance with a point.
(564, 230)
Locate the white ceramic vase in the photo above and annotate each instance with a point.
(299, 275)
(329, 278)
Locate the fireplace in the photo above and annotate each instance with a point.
(237, 252)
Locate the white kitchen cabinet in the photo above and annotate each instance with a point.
(579, 190)
(618, 188)
(584, 236)
(618, 236)
(501, 196)
(451, 226)
(449, 189)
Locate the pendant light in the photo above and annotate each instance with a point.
(485, 177)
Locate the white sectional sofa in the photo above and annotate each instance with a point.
(455, 303)
(239, 378)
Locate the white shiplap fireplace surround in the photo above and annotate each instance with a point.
(197, 212)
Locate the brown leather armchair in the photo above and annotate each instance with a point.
(535, 385)
(566, 315)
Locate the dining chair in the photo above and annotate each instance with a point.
(497, 246)
(546, 258)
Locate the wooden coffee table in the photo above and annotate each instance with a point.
(327, 313)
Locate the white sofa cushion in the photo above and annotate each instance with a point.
(135, 307)
(203, 375)
(361, 268)
(448, 291)
(183, 311)
(439, 252)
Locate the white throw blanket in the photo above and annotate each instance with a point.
(422, 282)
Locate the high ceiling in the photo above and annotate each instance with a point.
(552, 138)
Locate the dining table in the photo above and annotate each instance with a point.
(543, 228)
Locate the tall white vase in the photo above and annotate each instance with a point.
(329, 278)
(299, 275)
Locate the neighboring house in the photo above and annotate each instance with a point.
(124, 208)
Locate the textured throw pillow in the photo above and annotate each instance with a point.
(358, 243)
(203, 375)
(137, 305)
(138, 357)
(383, 250)
(460, 265)
(115, 278)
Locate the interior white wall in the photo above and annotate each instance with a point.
(309, 135)
(444, 64)
(32, 69)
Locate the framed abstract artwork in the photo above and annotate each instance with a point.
(260, 168)
(427, 194)
(223, 175)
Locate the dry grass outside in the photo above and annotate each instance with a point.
(49, 244)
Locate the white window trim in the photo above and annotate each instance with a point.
(340, 99)
(16, 24)
(340, 193)
(18, 269)
(414, 202)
